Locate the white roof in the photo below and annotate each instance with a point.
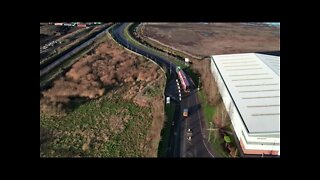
(253, 81)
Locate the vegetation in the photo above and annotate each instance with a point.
(61, 68)
(92, 130)
(208, 110)
(106, 105)
(165, 133)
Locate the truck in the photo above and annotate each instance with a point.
(185, 112)
(183, 79)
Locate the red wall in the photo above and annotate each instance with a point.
(252, 151)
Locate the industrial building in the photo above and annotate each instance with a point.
(249, 85)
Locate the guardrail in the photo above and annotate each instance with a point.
(72, 51)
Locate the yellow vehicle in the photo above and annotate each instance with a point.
(185, 113)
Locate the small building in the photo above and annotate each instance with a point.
(249, 85)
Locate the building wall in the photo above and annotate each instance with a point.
(249, 144)
(248, 150)
(233, 114)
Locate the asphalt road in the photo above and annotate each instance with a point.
(49, 67)
(179, 145)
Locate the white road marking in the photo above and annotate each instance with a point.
(201, 129)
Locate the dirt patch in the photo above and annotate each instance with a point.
(153, 137)
(117, 122)
(215, 38)
(107, 67)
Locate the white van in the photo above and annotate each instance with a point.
(168, 100)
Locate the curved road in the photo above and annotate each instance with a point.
(179, 146)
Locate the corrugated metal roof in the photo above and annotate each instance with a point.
(253, 80)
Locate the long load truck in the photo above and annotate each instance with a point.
(183, 79)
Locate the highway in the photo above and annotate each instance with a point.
(49, 67)
(179, 145)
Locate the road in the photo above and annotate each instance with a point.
(179, 146)
(49, 67)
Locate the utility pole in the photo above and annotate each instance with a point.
(199, 84)
(210, 130)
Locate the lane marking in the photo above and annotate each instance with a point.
(196, 98)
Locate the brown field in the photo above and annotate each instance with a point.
(109, 75)
(215, 38)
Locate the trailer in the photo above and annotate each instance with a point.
(183, 79)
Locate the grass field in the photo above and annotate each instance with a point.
(90, 130)
(109, 107)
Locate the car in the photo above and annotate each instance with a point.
(189, 138)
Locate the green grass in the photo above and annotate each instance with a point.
(153, 91)
(209, 113)
(217, 144)
(165, 133)
(92, 116)
(208, 110)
